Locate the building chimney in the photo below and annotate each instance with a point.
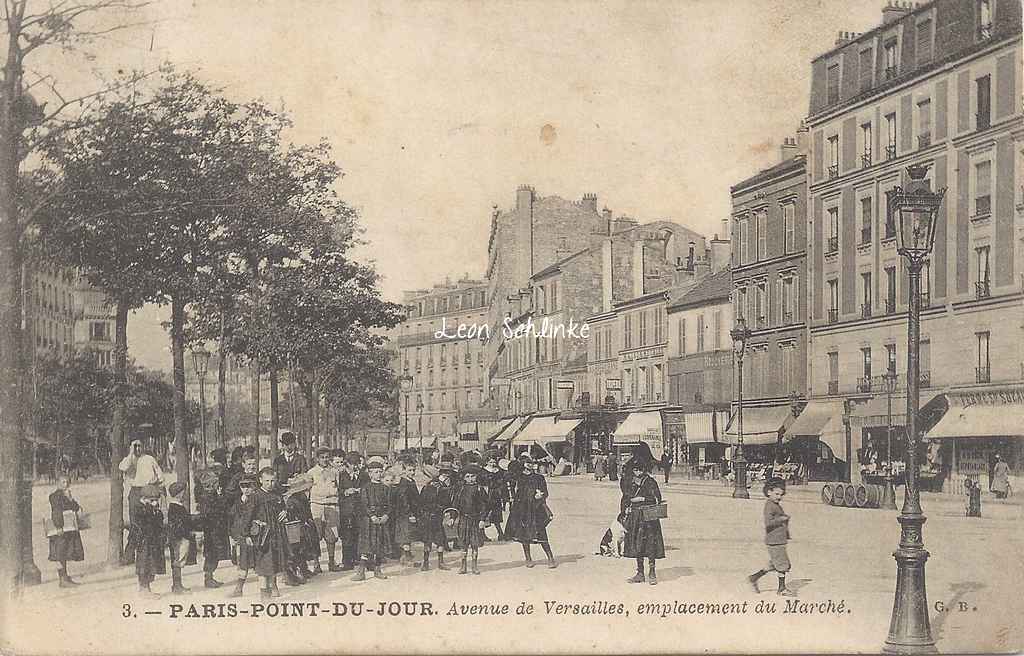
(789, 149)
(524, 197)
(720, 254)
(802, 140)
(606, 274)
(589, 202)
(607, 215)
(689, 257)
(894, 10)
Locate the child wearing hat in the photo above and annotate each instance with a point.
(435, 498)
(149, 539)
(471, 503)
(374, 512)
(179, 535)
(348, 510)
(308, 545)
(529, 516)
(259, 524)
(241, 515)
(776, 529)
(643, 538)
(493, 479)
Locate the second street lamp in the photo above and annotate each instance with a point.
(914, 210)
(201, 360)
(888, 501)
(406, 384)
(740, 334)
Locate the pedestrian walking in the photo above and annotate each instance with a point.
(529, 517)
(471, 503)
(66, 543)
(148, 540)
(1000, 478)
(644, 539)
(374, 511)
(666, 464)
(180, 540)
(776, 528)
(492, 478)
(435, 498)
(600, 466)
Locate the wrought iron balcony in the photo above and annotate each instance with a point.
(982, 289)
(865, 159)
(833, 244)
(833, 387)
(983, 374)
(865, 235)
(890, 306)
(865, 310)
(985, 31)
(926, 379)
(833, 315)
(924, 139)
(890, 151)
(982, 207)
(833, 171)
(864, 384)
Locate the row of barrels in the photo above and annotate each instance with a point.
(851, 495)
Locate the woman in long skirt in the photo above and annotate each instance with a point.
(643, 538)
(529, 516)
(66, 544)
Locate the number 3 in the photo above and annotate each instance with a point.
(126, 610)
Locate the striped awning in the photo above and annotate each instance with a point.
(699, 427)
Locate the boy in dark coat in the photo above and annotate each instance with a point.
(179, 535)
(260, 518)
(435, 498)
(148, 539)
(308, 546)
(406, 508)
(214, 508)
(241, 515)
(493, 478)
(643, 538)
(471, 502)
(349, 484)
(66, 545)
(374, 512)
(529, 515)
(776, 529)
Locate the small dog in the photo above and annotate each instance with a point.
(616, 534)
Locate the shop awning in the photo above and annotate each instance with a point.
(822, 420)
(542, 430)
(637, 427)
(981, 414)
(699, 428)
(875, 411)
(760, 425)
(488, 430)
(507, 431)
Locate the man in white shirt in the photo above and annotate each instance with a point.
(138, 469)
(323, 499)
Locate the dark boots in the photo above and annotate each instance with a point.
(639, 576)
(65, 579)
(752, 580)
(462, 567)
(378, 573)
(210, 582)
(176, 585)
(274, 590)
(475, 569)
(783, 590)
(440, 561)
(332, 566)
(425, 566)
(652, 576)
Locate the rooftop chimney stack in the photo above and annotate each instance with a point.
(895, 10)
(789, 149)
(589, 202)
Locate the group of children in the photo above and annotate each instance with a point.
(273, 521)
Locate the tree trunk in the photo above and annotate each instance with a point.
(316, 421)
(255, 392)
(181, 448)
(328, 435)
(222, 426)
(118, 434)
(308, 391)
(275, 418)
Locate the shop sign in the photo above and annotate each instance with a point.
(643, 354)
(565, 384)
(996, 397)
(613, 384)
(717, 360)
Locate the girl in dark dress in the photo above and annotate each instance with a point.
(471, 502)
(374, 511)
(435, 498)
(529, 516)
(643, 538)
(406, 507)
(308, 547)
(149, 540)
(493, 479)
(66, 545)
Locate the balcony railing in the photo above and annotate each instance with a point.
(762, 322)
(833, 315)
(833, 244)
(926, 379)
(890, 306)
(982, 289)
(924, 139)
(890, 151)
(833, 387)
(865, 159)
(982, 206)
(983, 374)
(864, 384)
(833, 171)
(468, 358)
(865, 310)
(865, 236)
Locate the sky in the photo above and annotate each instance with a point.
(438, 110)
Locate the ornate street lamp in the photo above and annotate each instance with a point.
(419, 408)
(888, 501)
(740, 334)
(914, 210)
(201, 360)
(406, 384)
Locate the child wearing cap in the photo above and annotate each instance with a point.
(471, 502)
(435, 497)
(148, 539)
(349, 484)
(323, 503)
(374, 511)
(776, 529)
(179, 535)
(406, 506)
(244, 545)
(259, 524)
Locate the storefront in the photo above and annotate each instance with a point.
(974, 427)
(763, 428)
(702, 453)
(546, 436)
(502, 439)
(646, 427)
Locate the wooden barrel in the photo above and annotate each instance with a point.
(860, 494)
(839, 495)
(851, 496)
(874, 494)
(826, 494)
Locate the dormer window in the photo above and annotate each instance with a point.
(891, 61)
(984, 19)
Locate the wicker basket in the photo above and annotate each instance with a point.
(294, 532)
(654, 511)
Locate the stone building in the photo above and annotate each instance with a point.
(937, 84)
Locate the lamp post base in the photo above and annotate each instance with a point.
(739, 491)
(910, 631)
(888, 500)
